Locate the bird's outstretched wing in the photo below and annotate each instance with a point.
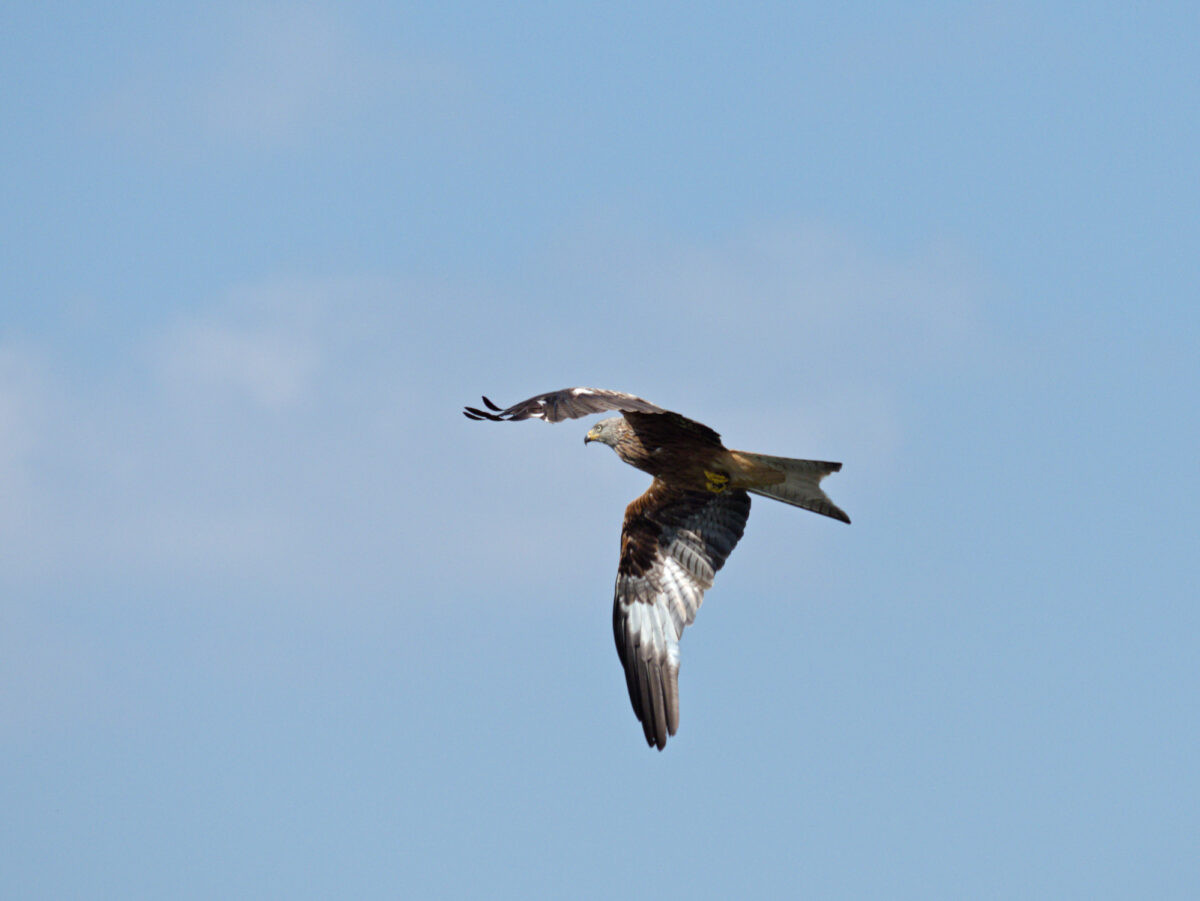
(569, 403)
(673, 542)
(652, 422)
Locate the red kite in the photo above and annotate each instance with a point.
(676, 535)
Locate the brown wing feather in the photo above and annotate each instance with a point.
(654, 425)
(672, 545)
(569, 403)
(672, 428)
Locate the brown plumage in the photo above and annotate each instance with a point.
(679, 533)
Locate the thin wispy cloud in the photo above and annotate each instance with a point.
(809, 285)
(271, 369)
(802, 326)
(247, 437)
(293, 429)
(21, 406)
(271, 76)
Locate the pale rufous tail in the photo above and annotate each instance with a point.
(801, 485)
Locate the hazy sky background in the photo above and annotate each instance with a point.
(277, 621)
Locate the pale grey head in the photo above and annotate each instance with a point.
(607, 431)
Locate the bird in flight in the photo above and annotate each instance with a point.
(676, 535)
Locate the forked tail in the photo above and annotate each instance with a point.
(801, 483)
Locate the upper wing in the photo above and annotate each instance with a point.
(673, 542)
(569, 403)
(652, 423)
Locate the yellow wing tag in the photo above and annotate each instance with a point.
(716, 482)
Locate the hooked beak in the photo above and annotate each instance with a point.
(590, 436)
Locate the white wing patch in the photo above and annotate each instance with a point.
(653, 604)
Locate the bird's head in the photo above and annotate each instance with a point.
(606, 431)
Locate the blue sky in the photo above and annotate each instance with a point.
(277, 621)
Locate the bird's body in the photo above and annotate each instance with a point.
(678, 534)
(696, 463)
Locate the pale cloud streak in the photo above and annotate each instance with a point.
(272, 369)
(808, 286)
(22, 400)
(273, 75)
(304, 433)
(796, 336)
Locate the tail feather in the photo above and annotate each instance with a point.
(801, 485)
